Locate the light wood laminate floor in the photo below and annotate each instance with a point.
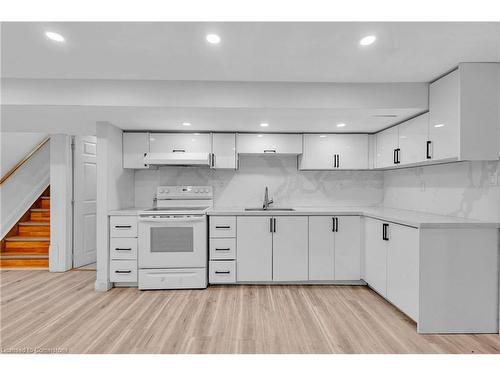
(61, 311)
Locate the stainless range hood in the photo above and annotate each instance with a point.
(177, 158)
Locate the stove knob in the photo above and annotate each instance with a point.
(165, 191)
(196, 191)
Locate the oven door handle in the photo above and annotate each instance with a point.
(171, 220)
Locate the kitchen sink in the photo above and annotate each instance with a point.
(269, 209)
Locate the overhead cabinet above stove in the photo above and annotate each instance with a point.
(269, 143)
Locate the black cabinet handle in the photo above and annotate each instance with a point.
(119, 271)
(398, 156)
(222, 227)
(428, 153)
(338, 160)
(336, 224)
(274, 225)
(333, 224)
(271, 224)
(222, 272)
(123, 226)
(123, 248)
(178, 150)
(270, 151)
(384, 232)
(222, 249)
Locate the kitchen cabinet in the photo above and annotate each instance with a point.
(334, 248)
(402, 269)
(334, 151)
(268, 143)
(135, 145)
(223, 151)
(123, 249)
(444, 105)
(464, 117)
(386, 145)
(180, 142)
(254, 244)
(413, 137)
(376, 255)
(290, 248)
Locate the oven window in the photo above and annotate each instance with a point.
(172, 240)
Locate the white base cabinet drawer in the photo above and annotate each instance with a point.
(223, 248)
(222, 272)
(173, 278)
(222, 226)
(123, 248)
(123, 226)
(123, 271)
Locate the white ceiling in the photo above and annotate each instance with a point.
(304, 52)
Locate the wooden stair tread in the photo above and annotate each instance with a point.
(27, 239)
(11, 255)
(35, 223)
(40, 209)
(45, 197)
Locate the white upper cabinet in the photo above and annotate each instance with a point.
(135, 145)
(413, 137)
(335, 151)
(180, 142)
(269, 143)
(464, 116)
(444, 109)
(386, 146)
(223, 151)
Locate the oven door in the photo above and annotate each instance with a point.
(172, 242)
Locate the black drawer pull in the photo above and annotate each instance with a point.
(384, 232)
(222, 272)
(270, 151)
(222, 227)
(123, 248)
(119, 271)
(123, 226)
(178, 150)
(428, 154)
(222, 249)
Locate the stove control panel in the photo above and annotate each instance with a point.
(184, 192)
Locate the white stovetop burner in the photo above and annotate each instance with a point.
(178, 200)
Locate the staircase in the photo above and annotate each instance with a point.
(27, 243)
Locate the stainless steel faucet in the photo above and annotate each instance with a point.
(267, 201)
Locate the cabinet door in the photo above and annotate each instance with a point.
(387, 141)
(444, 110)
(224, 150)
(375, 256)
(135, 145)
(269, 144)
(254, 252)
(348, 248)
(402, 269)
(318, 151)
(352, 150)
(290, 248)
(413, 136)
(180, 142)
(321, 248)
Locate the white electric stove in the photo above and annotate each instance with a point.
(173, 239)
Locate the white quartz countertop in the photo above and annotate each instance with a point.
(130, 211)
(406, 217)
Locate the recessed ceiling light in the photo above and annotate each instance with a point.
(196, 133)
(322, 136)
(186, 124)
(438, 125)
(213, 38)
(54, 36)
(259, 135)
(367, 40)
(341, 125)
(264, 124)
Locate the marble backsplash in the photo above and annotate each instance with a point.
(287, 186)
(456, 189)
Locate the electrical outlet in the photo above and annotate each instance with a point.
(493, 178)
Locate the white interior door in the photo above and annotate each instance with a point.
(84, 196)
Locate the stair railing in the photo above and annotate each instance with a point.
(23, 160)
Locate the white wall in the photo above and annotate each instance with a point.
(288, 186)
(115, 190)
(15, 146)
(456, 189)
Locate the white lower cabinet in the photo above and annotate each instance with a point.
(290, 248)
(375, 256)
(334, 248)
(254, 243)
(402, 269)
(123, 249)
(222, 272)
